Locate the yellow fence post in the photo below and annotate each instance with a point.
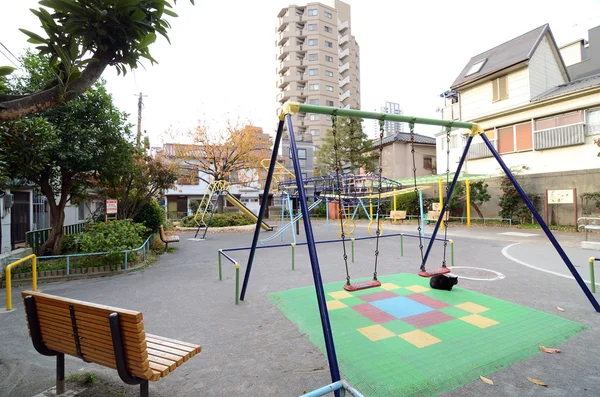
(468, 188)
(8, 277)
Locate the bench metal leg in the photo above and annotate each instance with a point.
(144, 389)
(166, 246)
(60, 373)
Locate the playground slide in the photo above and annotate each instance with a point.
(238, 204)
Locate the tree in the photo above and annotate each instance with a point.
(82, 38)
(353, 147)
(61, 149)
(479, 195)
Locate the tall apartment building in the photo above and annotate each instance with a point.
(317, 63)
(390, 127)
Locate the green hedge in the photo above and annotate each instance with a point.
(221, 220)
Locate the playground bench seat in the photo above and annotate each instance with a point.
(167, 239)
(108, 336)
(587, 228)
(397, 215)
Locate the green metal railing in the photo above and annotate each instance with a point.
(36, 238)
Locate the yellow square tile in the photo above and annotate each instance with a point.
(376, 332)
(332, 305)
(472, 307)
(417, 288)
(419, 338)
(389, 286)
(479, 321)
(340, 294)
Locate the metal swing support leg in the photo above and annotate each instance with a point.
(314, 260)
(263, 205)
(540, 220)
(450, 190)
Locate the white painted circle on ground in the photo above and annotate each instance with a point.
(497, 275)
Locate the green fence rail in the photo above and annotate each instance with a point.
(35, 239)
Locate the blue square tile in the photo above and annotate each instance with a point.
(401, 307)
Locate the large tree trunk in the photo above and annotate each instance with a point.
(477, 210)
(57, 212)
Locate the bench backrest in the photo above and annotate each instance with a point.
(60, 317)
(398, 214)
(162, 232)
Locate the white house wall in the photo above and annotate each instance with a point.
(544, 70)
(5, 224)
(477, 101)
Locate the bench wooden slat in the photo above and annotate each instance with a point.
(183, 348)
(162, 338)
(159, 360)
(168, 349)
(163, 369)
(178, 359)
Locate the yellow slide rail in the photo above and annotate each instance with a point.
(280, 173)
(8, 277)
(213, 187)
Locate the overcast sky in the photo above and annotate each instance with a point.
(222, 57)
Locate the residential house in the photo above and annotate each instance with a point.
(16, 214)
(397, 157)
(541, 115)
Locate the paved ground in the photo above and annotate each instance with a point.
(252, 349)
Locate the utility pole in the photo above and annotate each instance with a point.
(139, 124)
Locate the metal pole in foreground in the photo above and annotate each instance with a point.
(540, 220)
(592, 277)
(293, 254)
(263, 206)
(314, 260)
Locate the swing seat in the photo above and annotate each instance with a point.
(436, 272)
(362, 285)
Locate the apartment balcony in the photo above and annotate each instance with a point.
(285, 65)
(344, 81)
(451, 112)
(344, 53)
(343, 40)
(342, 26)
(480, 150)
(290, 19)
(344, 67)
(560, 136)
(345, 95)
(287, 34)
(286, 49)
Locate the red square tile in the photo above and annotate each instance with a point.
(377, 296)
(373, 313)
(426, 300)
(426, 319)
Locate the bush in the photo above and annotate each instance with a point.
(193, 206)
(152, 215)
(113, 236)
(221, 220)
(70, 243)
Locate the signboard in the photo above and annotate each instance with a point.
(560, 196)
(111, 206)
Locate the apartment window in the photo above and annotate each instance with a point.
(328, 73)
(313, 57)
(329, 44)
(500, 89)
(593, 122)
(302, 154)
(314, 87)
(328, 15)
(312, 26)
(313, 42)
(328, 58)
(314, 101)
(314, 132)
(328, 29)
(313, 12)
(314, 117)
(427, 163)
(329, 103)
(329, 88)
(313, 72)
(559, 121)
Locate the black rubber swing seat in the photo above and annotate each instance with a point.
(436, 272)
(362, 285)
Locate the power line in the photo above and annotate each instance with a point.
(10, 52)
(11, 61)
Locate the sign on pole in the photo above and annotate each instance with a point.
(560, 196)
(111, 206)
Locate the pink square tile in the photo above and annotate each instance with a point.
(426, 300)
(373, 313)
(426, 319)
(377, 296)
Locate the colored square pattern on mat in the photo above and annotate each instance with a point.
(404, 326)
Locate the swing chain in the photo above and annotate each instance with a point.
(446, 215)
(379, 188)
(416, 190)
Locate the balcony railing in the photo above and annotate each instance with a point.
(480, 150)
(560, 136)
(451, 112)
(344, 67)
(344, 81)
(344, 53)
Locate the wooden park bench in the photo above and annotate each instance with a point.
(104, 335)
(397, 215)
(167, 239)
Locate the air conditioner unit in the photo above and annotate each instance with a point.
(8, 201)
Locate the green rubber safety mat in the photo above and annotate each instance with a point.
(405, 339)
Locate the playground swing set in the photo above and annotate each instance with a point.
(285, 117)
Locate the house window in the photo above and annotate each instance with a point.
(302, 154)
(313, 12)
(329, 44)
(313, 87)
(187, 176)
(328, 15)
(81, 211)
(506, 140)
(592, 122)
(500, 89)
(329, 88)
(330, 103)
(313, 72)
(313, 57)
(476, 67)
(312, 26)
(559, 121)
(328, 58)
(313, 42)
(328, 29)
(427, 163)
(314, 117)
(314, 102)
(314, 132)
(524, 136)
(328, 73)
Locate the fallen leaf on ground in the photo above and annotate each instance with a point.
(549, 350)
(537, 381)
(560, 309)
(486, 380)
